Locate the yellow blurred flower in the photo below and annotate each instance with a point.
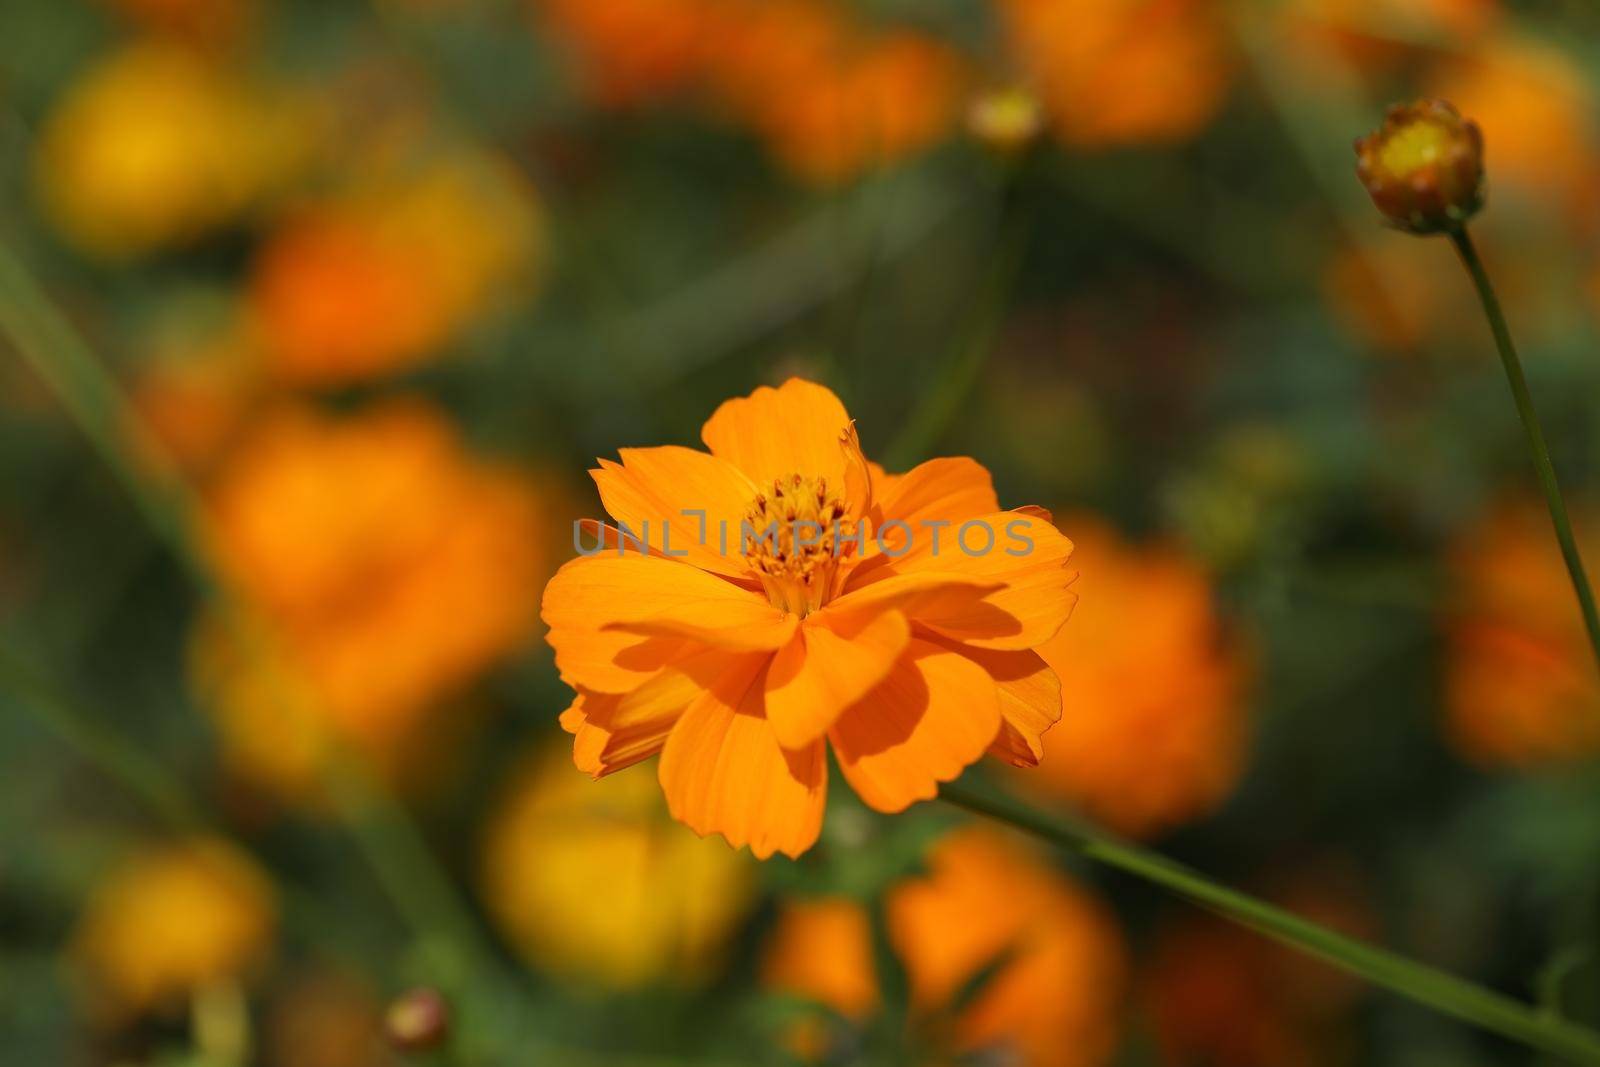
(379, 279)
(156, 145)
(1520, 684)
(600, 886)
(172, 921)
(1054, 998)
(1116, 72)
(1154, 727)
(391, 568)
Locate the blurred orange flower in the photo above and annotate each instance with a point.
(156, 146)
(830, 99)
(1520, 685)
(740, 661)
(1116, 72)
(1371, 35)
(201, 379)
(1395, 295)
(1154, 729)
(598, 885)
(1537, 111)
(390, 566)
(378, 280)
(325, 1019)
(203, 21)
(1219, 995)
(1054, 997)
(633, 51)
(171, 921)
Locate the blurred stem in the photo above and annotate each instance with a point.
(1426, 985)
(941, 400)
(391, 844)
(141, 776)
(1537, 447)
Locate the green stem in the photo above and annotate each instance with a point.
(1530, 424)
(1426, 985)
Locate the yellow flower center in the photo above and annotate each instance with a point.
(793, 537)
(1415, 146)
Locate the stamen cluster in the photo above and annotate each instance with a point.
(793, 536)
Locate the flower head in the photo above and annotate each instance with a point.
(1423, 167)
(778, 594)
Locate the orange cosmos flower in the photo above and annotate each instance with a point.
(1157, 733)
(1114, 72)
(1060, 965)
(1520, 686)
(843, 618)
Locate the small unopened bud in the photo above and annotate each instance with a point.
(1005, 119)
(1423, 167)
(417, 1020)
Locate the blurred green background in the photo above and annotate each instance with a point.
(369, 285)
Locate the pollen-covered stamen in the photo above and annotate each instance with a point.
(794, 536)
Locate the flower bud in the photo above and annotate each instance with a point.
(417, 1020)
(1007, 120)
(1423, 167)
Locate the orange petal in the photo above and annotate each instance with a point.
(793, 429)
(637, 724)
(1030, 701)
(832, 662)
(649, 491)
(588, 740)
(935, 715)
(723, 772)
(933, 593)
(949, 490)
(857, 474)
(1019, 549)
(589, 657)
(657, 597)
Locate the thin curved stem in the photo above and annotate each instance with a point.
(142, 777)
(1537, 447)
(1426, 985)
